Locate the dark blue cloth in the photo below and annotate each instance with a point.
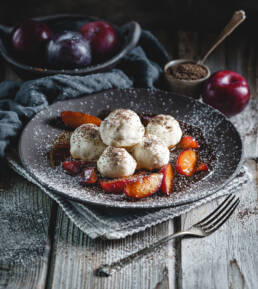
(20, 101)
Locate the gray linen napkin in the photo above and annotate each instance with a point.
(119, 223)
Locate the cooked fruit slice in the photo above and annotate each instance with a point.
(73, 167)
(144, 187)
(188, 142)
(186, 161)
(74, 119)
(60, 149)
(201, 167)
(171, 147)
(89, 176)
(117, 185)
(167, 181)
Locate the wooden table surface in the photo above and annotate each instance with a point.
(41, 248)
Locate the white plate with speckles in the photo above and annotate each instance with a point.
(37, 138)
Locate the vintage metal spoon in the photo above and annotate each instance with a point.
(237, 18)
(193, 87)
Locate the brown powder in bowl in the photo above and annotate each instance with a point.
(188, 71)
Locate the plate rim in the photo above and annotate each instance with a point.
(139, 205)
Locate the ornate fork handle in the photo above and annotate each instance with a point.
(106, 269)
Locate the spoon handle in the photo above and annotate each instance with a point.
(237, 18)
(5, 30)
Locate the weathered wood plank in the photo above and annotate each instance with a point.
(24, 246)
(216, 61)
(25, 214)
(112, 10)
(76, 256)
(228, 258)
(188, 45)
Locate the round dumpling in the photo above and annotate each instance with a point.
(151, 153)
(122, 128)
(86, 143)
(116, 162)
(166, 128)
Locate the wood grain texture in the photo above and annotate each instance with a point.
(24, 245)
(75, 257)
(25, 222)
(228, 258)
(147, 12)
(187, 14)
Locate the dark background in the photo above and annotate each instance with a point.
(167, 14)
(164, 18)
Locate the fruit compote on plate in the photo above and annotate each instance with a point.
(131, 154)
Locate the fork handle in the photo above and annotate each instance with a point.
(105, 270)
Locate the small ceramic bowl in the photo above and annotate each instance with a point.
(187, 87)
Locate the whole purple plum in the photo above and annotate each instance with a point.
(102, 37)
(68, 49)
(227, 91)
(30, 38)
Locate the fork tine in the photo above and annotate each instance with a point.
(212, 228)
(217, 211)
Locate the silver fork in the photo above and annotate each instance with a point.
(204, 228)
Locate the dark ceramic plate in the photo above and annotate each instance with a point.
(219, 132)
(129, 35)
